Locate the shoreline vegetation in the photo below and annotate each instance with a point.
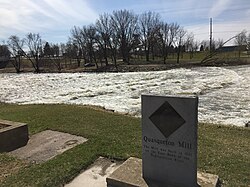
(218, 152)
(132, 67)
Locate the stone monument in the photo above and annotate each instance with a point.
(169, 147)
(169, 140)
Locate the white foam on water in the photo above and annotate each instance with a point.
(223, 92)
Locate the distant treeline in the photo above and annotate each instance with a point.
(120, 35)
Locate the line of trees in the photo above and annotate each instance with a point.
(32, 48)
(17, 49)
(119, 35)
(124, 33)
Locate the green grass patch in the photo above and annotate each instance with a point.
(222, 150)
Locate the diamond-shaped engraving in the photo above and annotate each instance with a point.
(166, 119)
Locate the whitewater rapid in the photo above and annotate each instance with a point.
(224, 93)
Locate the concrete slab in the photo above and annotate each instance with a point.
(129, 174)
(46, 145)
(96, 174)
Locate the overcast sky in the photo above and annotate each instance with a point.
(53, 19)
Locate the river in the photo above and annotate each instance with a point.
(224, 92)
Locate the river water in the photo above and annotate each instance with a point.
(224, 93)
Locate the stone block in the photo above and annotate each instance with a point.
(129, 174)
(13, 135)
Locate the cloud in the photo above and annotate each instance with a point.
(219, 7)
(221, 30)
(79, 10)
(23, 16)
(53, 19)
(247, 14)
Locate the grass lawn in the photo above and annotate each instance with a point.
(222, 150)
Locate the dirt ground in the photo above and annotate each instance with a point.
(9, 167)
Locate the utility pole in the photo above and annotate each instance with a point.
(211, 32)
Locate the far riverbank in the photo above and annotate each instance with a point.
(132, 67)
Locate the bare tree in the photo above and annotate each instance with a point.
(84, 39)
(149, 26)
(51, 54)
(190, 44)
(88, 44)
(62, 48)
(174, 31)
(56, 50)
(79, 40)
(241, 40)
(168, 33)
(113, 45)
(164, 36)
(107, 38)
(179, 41)
(248, 44)
(34, 43)
(15, 45)
(125, 28)
(103, 37)
(34, 55)
(71, 50)
(205, 44)
(219, 43)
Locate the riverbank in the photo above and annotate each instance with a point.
(218, 152)
(133, 67)
(149, 66)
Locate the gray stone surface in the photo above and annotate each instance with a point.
(95, 175)
(12, 135)
(46, 145)
(129, 174)
(169, 140)
(207, 179)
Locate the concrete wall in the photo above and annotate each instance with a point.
(13, 136)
